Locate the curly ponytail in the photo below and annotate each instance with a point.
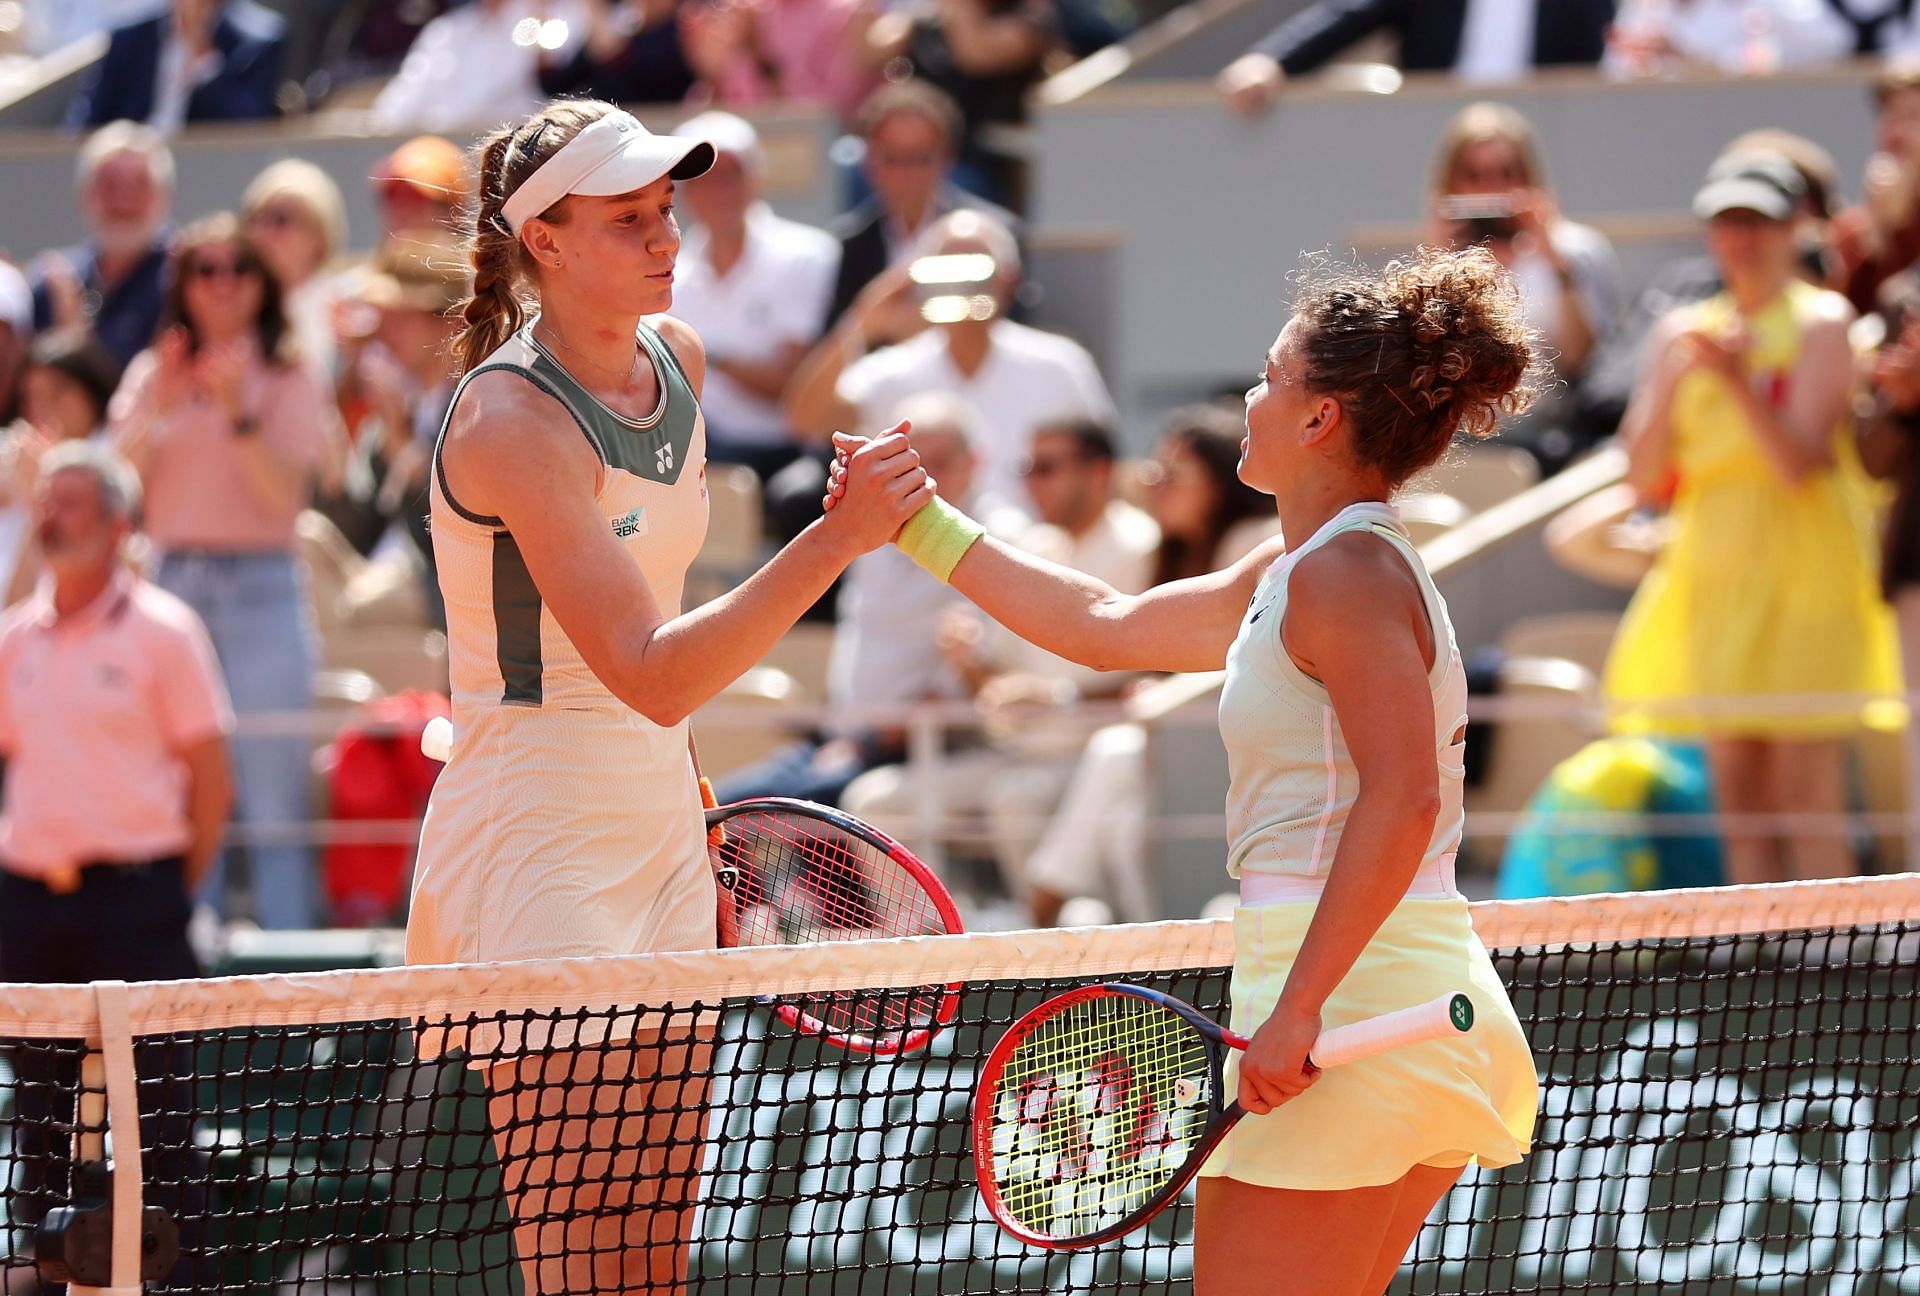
(498, 305)
(1436, 346)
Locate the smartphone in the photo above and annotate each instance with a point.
(955, 287)
(1482, 217)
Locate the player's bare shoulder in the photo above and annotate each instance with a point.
(506, 432)
(686, 345)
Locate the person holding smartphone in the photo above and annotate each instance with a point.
(1489, 189)
(949, 304)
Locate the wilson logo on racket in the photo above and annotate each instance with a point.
(1098, 1107)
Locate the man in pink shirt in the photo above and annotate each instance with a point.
(113, 724)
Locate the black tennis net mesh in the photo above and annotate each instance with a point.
(1730, 1103)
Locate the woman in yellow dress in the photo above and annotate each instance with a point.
(1761, 628)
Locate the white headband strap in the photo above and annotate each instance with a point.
(555, 178)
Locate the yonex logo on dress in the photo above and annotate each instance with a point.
(630, 524)
(663, 458)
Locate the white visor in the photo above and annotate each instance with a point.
(615, 155)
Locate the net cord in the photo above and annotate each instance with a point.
(707, 976)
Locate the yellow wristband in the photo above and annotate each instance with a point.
(938, 537)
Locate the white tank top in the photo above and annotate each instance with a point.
(504, 646)
(1292, 781)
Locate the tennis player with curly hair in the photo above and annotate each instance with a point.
(1344, 719)
(568, 499)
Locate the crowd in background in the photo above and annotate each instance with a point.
(277, 399)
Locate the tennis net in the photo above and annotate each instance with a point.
(1730, 1104)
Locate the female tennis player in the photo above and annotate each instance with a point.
(1343, 714)
(568, 499)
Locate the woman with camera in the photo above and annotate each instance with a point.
(1489, 189)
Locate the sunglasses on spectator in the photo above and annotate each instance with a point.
(220, 268)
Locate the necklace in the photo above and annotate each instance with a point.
(587, 359)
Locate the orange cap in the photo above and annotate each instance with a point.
(431, 166)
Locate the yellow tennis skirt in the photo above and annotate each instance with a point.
(1468, 1098)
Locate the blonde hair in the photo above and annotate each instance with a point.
(309, 186)
(497, 306)
(1482, 123)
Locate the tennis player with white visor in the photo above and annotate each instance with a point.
(1344, 718)
(568, 499)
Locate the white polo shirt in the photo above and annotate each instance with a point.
(1029, 380)
(776, 295)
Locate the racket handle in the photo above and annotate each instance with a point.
(436, 740)
(1450, 1014)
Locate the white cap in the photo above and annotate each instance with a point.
(728, 134)
(615, 155)
(16, 300)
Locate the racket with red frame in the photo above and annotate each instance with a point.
(796, 873)
(1098, 1107)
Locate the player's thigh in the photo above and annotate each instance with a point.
(1254, 1241)
(1420, 1191)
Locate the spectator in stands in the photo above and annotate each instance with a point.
(1764, 600)
(633, 53)
(424, 184)
(1477, 40)
(1019, 379)
(1489, 187)
(912, 134)
(1029, 696)
(477, 65)
(754, 286)
(1096, 844)
(787, 51)
(1888, 443)
(113, 725)
(227, 428)
(1880, 236)
(405, 376)
(111, 284)
(294, 212)
(198, 61)
(1613, 373)
(64, 390)
(1750, 37)
(885, 646)
(16, 334)
(985, 55)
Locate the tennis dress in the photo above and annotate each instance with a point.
(1292, 786)
(565, 823)
(1767, 589)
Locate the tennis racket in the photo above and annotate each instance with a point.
(795, 873)
(1098, 1107)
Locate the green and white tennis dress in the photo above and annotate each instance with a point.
(1292, 785)
(565, 823)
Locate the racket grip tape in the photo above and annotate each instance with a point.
(1449, 1014)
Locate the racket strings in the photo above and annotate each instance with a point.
(798, 881)
(1096, 1111)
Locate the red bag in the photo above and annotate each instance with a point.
(375, 773)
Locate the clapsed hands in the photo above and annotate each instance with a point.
(1275, 1068)
(874, 487)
